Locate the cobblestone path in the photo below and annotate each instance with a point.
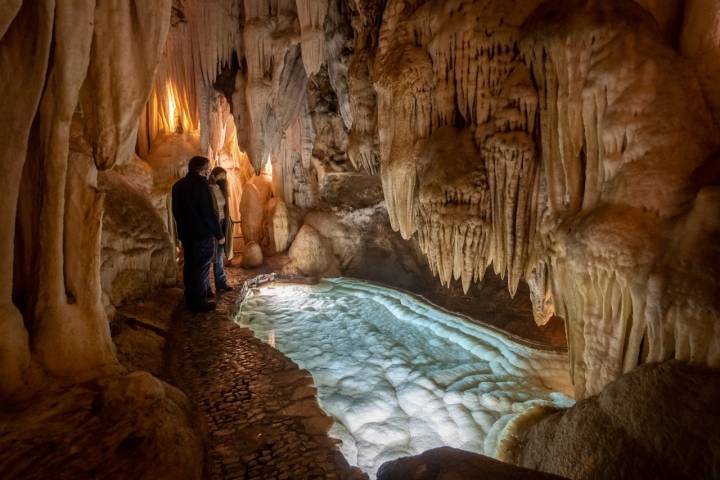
(261, 412)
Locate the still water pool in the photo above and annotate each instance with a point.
(400, 375)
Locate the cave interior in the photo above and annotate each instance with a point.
(546, 170)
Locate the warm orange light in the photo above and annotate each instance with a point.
(267, 169)
(172, 107)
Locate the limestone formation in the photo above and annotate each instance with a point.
(658, 421)
(514, 150)
(138, 254)
(255, 196)
(570, 146)
(59, 283)
(281, 225)
(252, 255)
(311, 254)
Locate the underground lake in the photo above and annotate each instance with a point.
(400, 375)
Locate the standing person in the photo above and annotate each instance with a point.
(218, 185)
(197, 227)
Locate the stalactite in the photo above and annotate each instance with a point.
(614, 177)
(363, 148)
(541, 293)
(271, 62)
(112, 120)
(295, 149)
(311, 14)
(511, 165)
(338, 39)
(457, 78)
(199, 45)
(224, 151)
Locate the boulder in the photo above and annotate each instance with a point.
(450, 463)
(657, 421)
(253, 256)
(138, 255)
(311, 254)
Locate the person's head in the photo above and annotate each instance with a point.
(199, 165)
(219, 177)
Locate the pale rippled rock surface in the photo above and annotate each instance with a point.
(399, 375)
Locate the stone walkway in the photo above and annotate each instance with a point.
(260, 409)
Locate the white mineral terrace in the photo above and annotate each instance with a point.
(399, 375)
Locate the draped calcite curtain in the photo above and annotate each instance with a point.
(93, 62)
(26, 35)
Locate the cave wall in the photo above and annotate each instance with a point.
(138, 252)
(69, 118)
(570, 149)
(562, 147)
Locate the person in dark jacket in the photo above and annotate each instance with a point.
(197, 228)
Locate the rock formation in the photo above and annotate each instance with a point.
(532, 150)
(67, 88)
(658, 421)
(570, 147)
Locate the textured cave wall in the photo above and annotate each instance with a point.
(83, 122)
(138, 254)
(628, 192)
(700, 43)
(560, 148)
(309, 124)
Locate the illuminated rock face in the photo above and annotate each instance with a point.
(537, 148)
(643, 425)
(66, 79)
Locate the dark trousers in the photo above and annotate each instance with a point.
(198, 257)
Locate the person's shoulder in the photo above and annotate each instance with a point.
(179, 183)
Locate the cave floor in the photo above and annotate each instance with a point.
(256, 409)
(260, 409)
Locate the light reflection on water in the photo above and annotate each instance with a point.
(399, 375)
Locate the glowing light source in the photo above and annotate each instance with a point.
(172, 107)
(267, 169)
